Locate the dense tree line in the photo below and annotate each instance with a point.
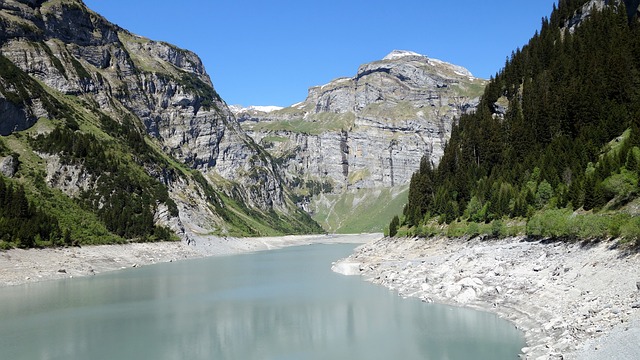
(124, 198)
(566, 95)
(22, 223)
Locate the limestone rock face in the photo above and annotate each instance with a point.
(8, 166)
(70, 179)
(160, 89)
(14, 117)
(370, 130)
(633, 9)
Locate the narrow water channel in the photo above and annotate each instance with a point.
(281, 304)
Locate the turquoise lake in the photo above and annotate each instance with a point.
(281, 304)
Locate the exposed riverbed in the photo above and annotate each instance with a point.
(573, 301)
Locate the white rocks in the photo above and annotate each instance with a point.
(558, 310)
(498, 271)
(466, 296)
(8, 166)
(474, 283)
(346, 268)
(69, 178)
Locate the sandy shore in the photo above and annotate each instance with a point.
(572, 301)
(24, 266)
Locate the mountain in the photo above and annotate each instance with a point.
(127, 132)
(355, 137)
(554, 145)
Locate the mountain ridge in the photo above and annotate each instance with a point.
(76, 86)
(366, 132)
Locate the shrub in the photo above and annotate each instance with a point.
(456, 230)
(621, 186)
(549, 223)
(588, 226)
(630, 231)
(498, 228)
(472, 230)
(4, 245)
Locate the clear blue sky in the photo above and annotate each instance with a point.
(261, 52)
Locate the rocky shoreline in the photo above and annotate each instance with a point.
(571, 300)
(19, 266)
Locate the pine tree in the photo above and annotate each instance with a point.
(393, 226)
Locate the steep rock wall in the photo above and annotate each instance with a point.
(370, 130)
(161, 90)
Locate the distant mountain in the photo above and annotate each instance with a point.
(120, 137)
(357, 136)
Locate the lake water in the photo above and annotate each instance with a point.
(282, 304)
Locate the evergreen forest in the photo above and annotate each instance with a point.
(553, 149)
(24, 224)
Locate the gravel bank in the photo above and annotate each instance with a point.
(24, 266)
(572, 301)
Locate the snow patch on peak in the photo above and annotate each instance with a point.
(397, 54)
(298, 105)
(265, 109)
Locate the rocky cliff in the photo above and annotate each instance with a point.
(64, 61)
(585, 12)
(368, 131)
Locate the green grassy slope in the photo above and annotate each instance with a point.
(358, 211)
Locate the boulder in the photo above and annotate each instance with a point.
(473, 283)
(466, 295)
(8, 166)
(346, 267)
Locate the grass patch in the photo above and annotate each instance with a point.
(358, 175)
(358, 211)
(472, 89)
(273, 139)
(394, 113)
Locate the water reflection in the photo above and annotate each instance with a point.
(284, 304)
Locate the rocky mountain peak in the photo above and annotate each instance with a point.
(397, 54)
(368, 131)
